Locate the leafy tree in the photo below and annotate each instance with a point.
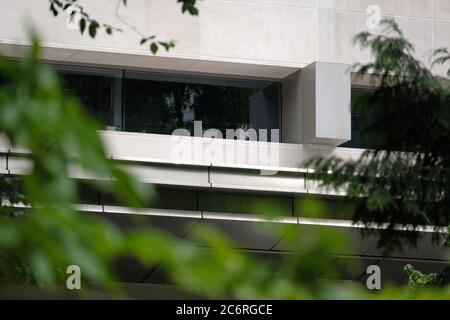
(405, 177)
(419, 280)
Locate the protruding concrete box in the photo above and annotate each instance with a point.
(316, 105)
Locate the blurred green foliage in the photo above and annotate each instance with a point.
(36, 116)
(42, 234)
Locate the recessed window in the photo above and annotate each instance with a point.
(93, 92)
(357, 141)
(161, 103)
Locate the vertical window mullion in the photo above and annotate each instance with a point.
(118, 103)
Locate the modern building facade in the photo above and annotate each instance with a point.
(253, 89)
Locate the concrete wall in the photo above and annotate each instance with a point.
(204, 163)
(316, 105)
(273, 36)
(270, 39)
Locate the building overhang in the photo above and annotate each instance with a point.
(139, 60)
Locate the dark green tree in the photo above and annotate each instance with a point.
(404, 178)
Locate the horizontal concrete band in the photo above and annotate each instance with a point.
(206, 163)
(143, 60)
(195, 176)
(205, 215)
(222, 30)
(257, 218)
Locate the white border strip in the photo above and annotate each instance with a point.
(204, 215)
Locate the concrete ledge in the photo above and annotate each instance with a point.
(150, 158)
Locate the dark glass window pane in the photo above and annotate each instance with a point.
(356, 141)
(162, 106)
(94, 93)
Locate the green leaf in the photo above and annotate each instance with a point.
(167, 45)
(154, 47)
(144, 40)
(82, 24)
(189, 6)
(93, 28)
(53, 10)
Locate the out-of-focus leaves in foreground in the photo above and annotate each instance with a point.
(41, 234)
(36, 116)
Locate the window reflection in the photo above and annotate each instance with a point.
(161, 107)
(94, 93)
(161, 103)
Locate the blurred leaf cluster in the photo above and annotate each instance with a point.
(36, 116)
(419, 280)
(41, 233)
